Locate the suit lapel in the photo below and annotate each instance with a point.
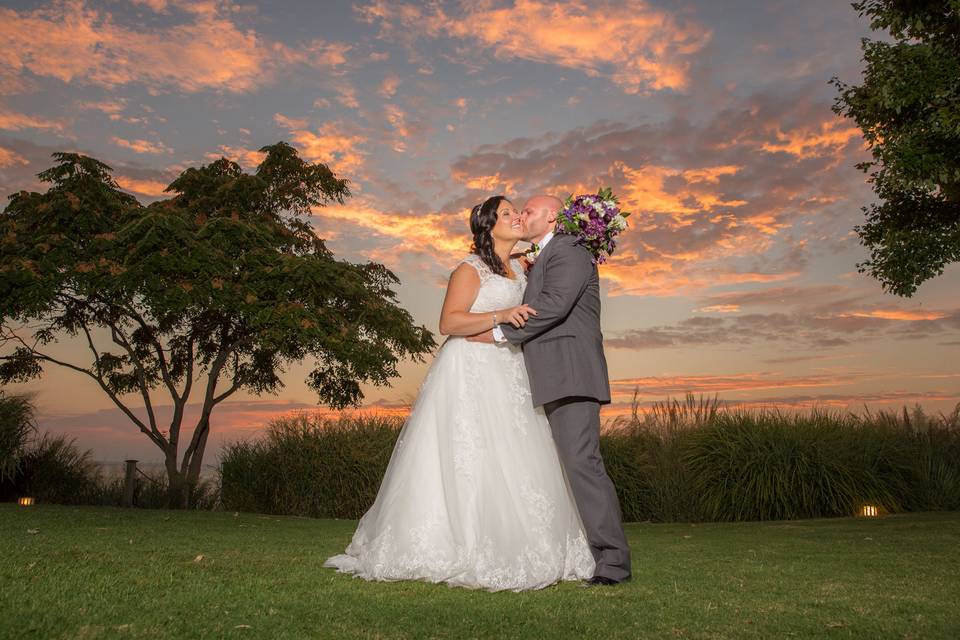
(535, 276)
(547, 249)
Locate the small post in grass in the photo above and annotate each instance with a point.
(129, 482)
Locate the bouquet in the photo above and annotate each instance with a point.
(596, 219)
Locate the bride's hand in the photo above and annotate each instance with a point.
(518, 315)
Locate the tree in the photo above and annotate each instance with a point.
(224, 279)
(908, 108)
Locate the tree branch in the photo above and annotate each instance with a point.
(155, 437)
(141, 374)
(204, 423)
(132, 313)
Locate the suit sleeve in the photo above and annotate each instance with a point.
(564, 281)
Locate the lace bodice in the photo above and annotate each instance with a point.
(496, 292)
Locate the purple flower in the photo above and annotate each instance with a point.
(589, 217)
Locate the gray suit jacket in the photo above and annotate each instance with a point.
(562, 344)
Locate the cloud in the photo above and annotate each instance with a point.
(331, 144)
(207, 50)
(146, 187)
(812, 142)
(906, 315)
(397, 235)
(15, 121)
(347, 95)
(319, 54)
(752, 390)
(773, 296)
(112, 436)
(10, 158)
(25, 160)
(110, 107)
(398, 122)
(485, 184)
(690, 191)
(716, 201)
(812, 358)
(158, 6)
(821, 325)
(661, 386)
(389, 86)
(636, 45)
(30, 158)
(246, 158)
(141, 146)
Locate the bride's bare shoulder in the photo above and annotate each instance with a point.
(467, 267)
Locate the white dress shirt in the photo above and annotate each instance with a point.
(497, 331)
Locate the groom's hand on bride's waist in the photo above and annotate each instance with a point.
(518, 315)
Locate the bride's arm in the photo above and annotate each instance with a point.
(455, 316)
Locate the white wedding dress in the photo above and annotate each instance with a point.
(474, 494)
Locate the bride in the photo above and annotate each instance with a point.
(474, 494)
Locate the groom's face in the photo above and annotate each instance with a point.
(538, 216)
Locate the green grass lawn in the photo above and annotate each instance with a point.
(87, 572)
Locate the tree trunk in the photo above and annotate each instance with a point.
(196, 458)
(178, 491)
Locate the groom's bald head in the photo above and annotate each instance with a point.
(540, 216)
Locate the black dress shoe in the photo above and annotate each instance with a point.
(596, 581)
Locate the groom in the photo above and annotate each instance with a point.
(563, 351)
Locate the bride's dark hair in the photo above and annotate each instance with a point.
(483, 217)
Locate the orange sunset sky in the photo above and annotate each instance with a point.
(711, 120)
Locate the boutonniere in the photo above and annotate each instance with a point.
(525, 263)
(532, 253)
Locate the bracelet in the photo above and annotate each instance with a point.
(494, 319)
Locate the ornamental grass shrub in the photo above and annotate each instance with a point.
(309, 465)
(50, 468)
(695, 459)
(16, 428)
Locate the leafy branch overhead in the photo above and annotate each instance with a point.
(908, 108)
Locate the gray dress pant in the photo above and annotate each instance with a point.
(575, 423)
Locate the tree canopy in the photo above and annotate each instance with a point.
(224, 278)
(908, 108)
